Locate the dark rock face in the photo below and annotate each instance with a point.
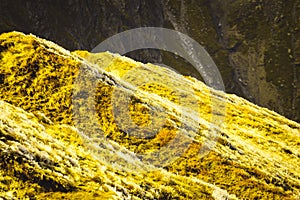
(262, 39)
(78, 24)
(255, 44)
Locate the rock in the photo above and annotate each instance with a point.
(81, 125)
(249, 41)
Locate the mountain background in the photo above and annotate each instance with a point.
(254, 43)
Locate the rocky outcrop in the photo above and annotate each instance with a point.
(81, 125)
(254, 44)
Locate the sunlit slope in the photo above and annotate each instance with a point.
(153, 116)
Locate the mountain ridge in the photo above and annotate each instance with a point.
(40, 89)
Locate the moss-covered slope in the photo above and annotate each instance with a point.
(67, 131)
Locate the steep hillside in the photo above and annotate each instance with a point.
(81, 125)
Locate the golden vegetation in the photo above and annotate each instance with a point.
(81, 125)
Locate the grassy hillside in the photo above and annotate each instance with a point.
(81, 125)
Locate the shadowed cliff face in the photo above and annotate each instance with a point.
(78, 24)
(255, 44)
